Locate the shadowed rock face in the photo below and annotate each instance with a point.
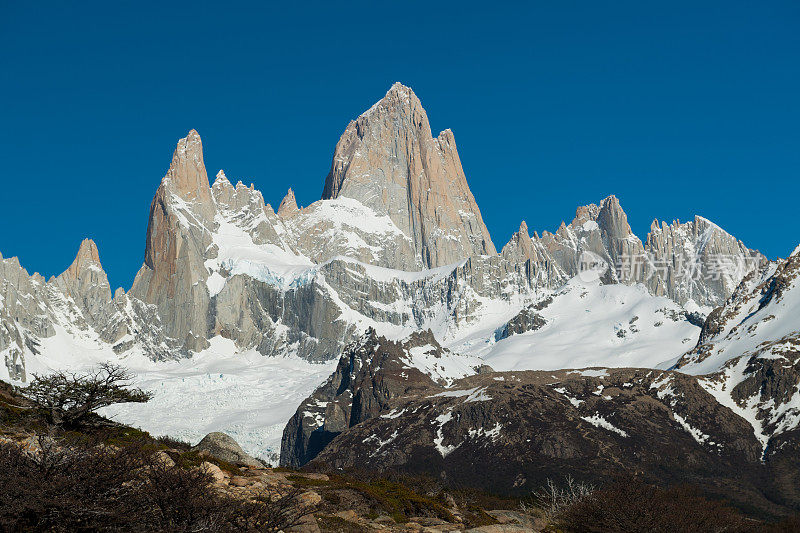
(372, 371)
(509, 432)
(389, 161)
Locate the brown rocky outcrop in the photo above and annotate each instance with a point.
(371, 372)
(510, 432)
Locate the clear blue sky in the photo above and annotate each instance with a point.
(676, 107)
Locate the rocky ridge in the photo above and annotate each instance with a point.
(526, 427)
(755, 339)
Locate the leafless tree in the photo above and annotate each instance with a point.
(67, 398)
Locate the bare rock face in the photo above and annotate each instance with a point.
(389, 161)
(86, 282)
(187, 177)
(372, 371)
(602, 232)
(178, 237)
(24, 313)
(244, 206)
(541, 267)
(288, 205)
(699, 261)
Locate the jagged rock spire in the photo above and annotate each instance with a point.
(87, 256)
(187, 172)
(178, 236)
(520, 247)
(85, 281)
(288, 205)
(388, 160)
(702, 262)
(612, 219)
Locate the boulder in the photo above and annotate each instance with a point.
(223, 447)
(215, 471)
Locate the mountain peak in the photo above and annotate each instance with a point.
(85, 280)
(388, 160)
(221, 177)
(655, 226)
(400, 89)
(288, 205)
(187, 175)
(87, 252)
(612, 218)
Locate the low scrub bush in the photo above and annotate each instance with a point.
(629, 506)
(57, 485)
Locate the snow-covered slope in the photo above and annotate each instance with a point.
(246, 395)
(752, 346)
(586, 324)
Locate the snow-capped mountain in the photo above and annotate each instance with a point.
(754, 338)
(397, 243)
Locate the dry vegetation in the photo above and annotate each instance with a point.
(85, 473)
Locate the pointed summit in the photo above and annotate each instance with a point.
(221, 177)
(288, 205)
(87, 253)
(613, 220)
(519, 247)
(85, 281)
(87, 259)
(187, 175)
(388, 160)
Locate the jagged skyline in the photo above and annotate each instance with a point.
(673, 127)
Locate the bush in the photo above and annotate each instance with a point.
(553, 499)
(172, 442)
(73, 486)
(629, 506)
(68, 399)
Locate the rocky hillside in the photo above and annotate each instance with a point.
(525, 427)
(371, 372)
(116, 478)
(755, 339)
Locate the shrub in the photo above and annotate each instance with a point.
(74, 486)
(630, 506)
(553, 499)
